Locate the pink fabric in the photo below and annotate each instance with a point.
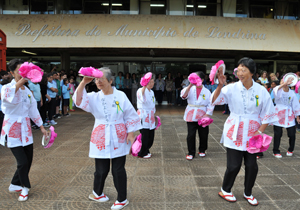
(35, 75)
(53, 136)
(31, 71)
(137, 145)
(90, 72)
(205, 121)
(158, 122)
(146, 79)
(235, 72)
(259, 143)
(214, 70)
(198, 92)
(297, 86)
(195, 79)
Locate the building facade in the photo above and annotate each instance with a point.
(151, 35)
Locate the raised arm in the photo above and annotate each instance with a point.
(222, 80)
(80, 89)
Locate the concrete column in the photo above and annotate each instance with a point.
(275, 67)
(65, 60)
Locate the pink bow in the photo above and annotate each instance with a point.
(136, 146)
(205, 121)
(195, 79)
(146, 79)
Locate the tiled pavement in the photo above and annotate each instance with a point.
(62, 176)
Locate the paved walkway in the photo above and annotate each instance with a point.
(62, 176)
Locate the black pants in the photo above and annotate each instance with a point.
(159, 96)
(43, 111)
(1, 120)
(191, 137)
(169, 96)
(147, 141)
(118, 172)
(24, 157)
(291, 132)
(178, 98)
(127, 91)
(51, 108)
(234, 163)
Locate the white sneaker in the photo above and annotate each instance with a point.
(277, 155)
(147, 156)
(102, 198)
(119, 205)
(24, 194)
(288, 153)
(14, 188)
(251, 200)
(52, 122)
(189, 157)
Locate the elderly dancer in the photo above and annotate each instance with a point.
(113, 134)
(199, 106)
(19, 106)
(287, 108)
(251, 112)
(146, 110)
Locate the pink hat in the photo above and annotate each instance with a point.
(259, 143)
(51, 138)
(205, 121)
(195, 79)
(146, 79)
(90, 72)
(214, 71)
(30, 71)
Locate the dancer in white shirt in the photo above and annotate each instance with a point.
(113, 134)
(19, 106)
(146, 111)
(287, 108)
(251, 111)
(199, 106)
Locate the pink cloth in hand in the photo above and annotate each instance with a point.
(259, 143)
(31, 71)
(53, 136)
(206, 121)
(35, 76)
(158, 122)
(90, 72)
(195, 79)
(214, 70)
(136, 146)
(146, 79)
(266, 142)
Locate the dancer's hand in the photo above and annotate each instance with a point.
(43, 130)
(289, 81)
(221, 77)
(130, 137)
(87, 80)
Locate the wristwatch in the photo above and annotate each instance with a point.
(259, 131)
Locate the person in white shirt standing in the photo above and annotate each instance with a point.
(199, 106)
(146, 111)
(19, 106)
(252, 110)
(287, 108)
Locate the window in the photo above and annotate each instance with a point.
(96, 6)
(69, 7)
(16, 7)
(235, 8)
(287, 10)
(153, 7)
(125, 7)
(42, 7)
(262, 9)
(206, 7)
